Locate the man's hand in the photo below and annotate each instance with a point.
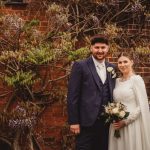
(75, 128)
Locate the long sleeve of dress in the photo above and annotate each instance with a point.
(141, 97)
(133, 116)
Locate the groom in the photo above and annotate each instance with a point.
(90, 87)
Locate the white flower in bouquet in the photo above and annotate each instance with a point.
(122, 114)
(118, 105)
(107, 110)
(115, 110)
(112, 104)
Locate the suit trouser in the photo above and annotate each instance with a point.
(94, 137)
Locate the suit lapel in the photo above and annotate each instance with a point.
(93, 71)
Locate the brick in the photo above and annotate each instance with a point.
(44, 23)
(19, 7)
(43, 28)
(138, 69)
(146, 69)
(113, 59)
(145, 74)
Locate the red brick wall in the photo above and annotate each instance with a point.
(54, 118)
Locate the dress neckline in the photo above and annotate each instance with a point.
(121, 80)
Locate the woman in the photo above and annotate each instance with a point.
(130, 90)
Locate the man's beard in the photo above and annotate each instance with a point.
(103, 56)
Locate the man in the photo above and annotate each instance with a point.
(90, 87)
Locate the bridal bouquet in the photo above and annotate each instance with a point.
(114, 112)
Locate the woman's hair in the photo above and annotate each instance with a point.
(126, 54)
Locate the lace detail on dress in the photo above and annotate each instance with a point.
(133, 116)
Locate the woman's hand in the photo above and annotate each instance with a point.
(118, 125)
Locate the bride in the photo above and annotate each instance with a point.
(130, 90)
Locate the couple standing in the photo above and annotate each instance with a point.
(93, 84)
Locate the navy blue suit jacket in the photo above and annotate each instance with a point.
(84, 92)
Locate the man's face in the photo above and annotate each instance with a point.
(99, 51)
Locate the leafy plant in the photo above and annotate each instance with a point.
(78, 54)
(40, 55)
(20, 78)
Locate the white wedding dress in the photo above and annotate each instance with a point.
(136, 134)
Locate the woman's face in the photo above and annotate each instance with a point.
(125, 64)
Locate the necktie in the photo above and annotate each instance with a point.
(102, 72)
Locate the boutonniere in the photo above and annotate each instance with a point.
(112, 71)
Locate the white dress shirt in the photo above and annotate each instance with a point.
(101, 69)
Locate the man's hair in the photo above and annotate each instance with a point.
(99, 39)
